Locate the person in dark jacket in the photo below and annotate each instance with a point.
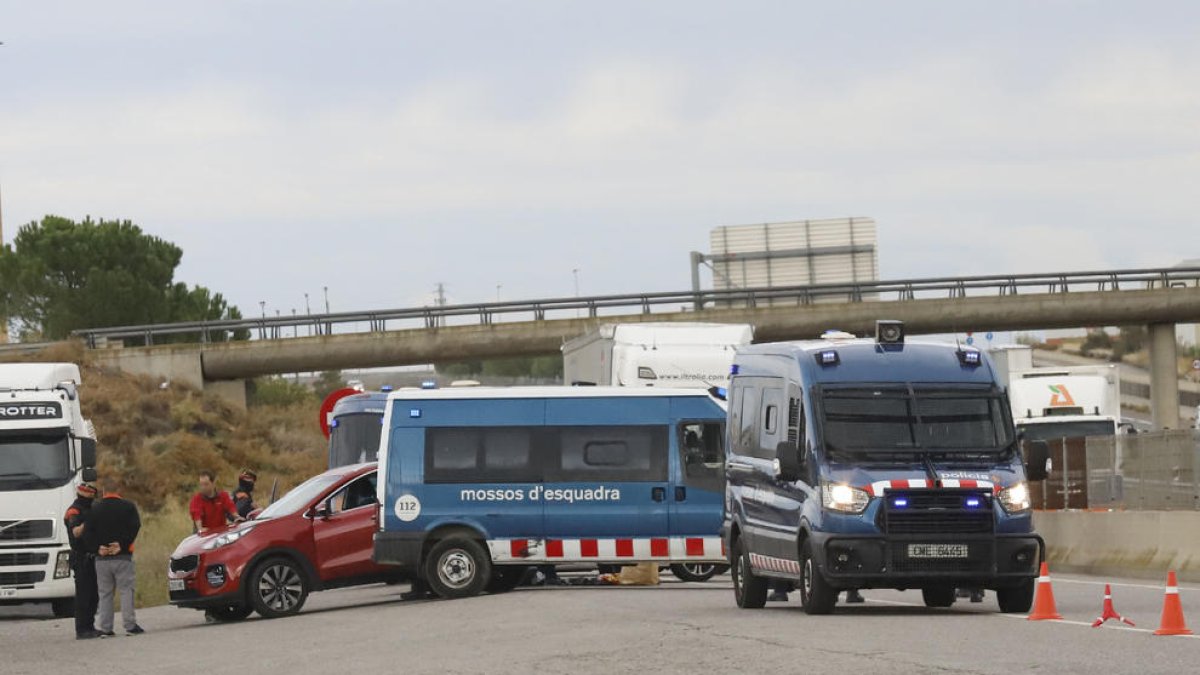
(243, 497)
(83, 564)
(109, 531)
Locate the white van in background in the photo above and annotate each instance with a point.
(655, 354)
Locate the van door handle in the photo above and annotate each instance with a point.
(659, 494)
(680, 493)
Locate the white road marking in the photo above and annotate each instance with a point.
(1115, 584)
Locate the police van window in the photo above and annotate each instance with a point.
(748, 421)
(703, 455)
(769, 437)
(610, 453)
(772, 418)
(478, 455)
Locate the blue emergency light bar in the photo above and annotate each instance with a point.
(973, 502)
(386, 388)
(429, 384)
(828, 357)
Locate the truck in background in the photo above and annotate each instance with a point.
(46, 448)
(683, 354)
(1070, 402)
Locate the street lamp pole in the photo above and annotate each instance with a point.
(326, 289)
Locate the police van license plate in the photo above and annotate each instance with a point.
(937, 551)
(175, 584)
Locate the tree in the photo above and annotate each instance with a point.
(61, 276)
(329, 382)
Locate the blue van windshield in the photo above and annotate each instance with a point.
(894, 418)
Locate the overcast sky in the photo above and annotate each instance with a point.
(378, 148)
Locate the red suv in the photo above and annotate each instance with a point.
(318, 536)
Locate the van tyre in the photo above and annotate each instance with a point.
(817, 596)
(696, 571)
(1016, 599)
(939, 596)
(278, 587)
(749, 591)
(458, 567)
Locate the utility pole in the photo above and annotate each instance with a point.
(326, 289)
(440, 301)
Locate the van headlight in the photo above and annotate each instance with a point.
(842, 497)
(1015, 498)
(226, 539)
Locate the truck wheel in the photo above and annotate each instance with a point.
(458, 567)
(817, 596)
(278, 587)
(749, 591)
(695, 571)
(938, 596)
(1016, 599)
(63, 608)
(506, 578)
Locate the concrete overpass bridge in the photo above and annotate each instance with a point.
(1158, 298)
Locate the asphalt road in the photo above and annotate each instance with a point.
(674, 628)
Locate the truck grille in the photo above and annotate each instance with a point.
(185, 564)
(21, 559)
(25, 530)
(21, 578)
(938, 512)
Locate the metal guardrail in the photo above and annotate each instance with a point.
(645, 303)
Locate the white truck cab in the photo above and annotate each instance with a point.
(45, 447)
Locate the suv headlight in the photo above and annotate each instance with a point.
(842, 497)
(226, 539)
(1015, 498)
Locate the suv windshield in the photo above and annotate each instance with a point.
(894, 418)
(354, 439)
(299, 496)
(34, 461)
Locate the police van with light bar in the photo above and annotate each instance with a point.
(859, 463)
(478, 484)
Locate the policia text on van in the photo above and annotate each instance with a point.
(876, 464)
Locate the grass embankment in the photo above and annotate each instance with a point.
(156, 438)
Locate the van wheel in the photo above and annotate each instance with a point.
(817, 596)
(1016, 599)
(938, 596)
(278, 588)
(458, 567)
(695, 571)
(749, 591)
(63, 608)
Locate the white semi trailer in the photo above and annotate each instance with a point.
(655, 354)
(46, 447)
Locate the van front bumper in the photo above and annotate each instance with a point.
(889, 561)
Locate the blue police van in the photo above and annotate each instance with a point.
(476, 485)
(860, 463)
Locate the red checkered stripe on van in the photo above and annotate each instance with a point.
(699, 549)
(876, 489)
(770, 564)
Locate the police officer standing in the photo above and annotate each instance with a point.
(243, 498)
(83, 565)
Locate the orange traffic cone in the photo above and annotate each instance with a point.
(1043, 600)
(1109, 612)
(1172, 622)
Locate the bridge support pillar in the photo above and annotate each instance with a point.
(1164, 376)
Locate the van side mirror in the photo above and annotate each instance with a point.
(788, 466)
(87, 452)
(1037, 460)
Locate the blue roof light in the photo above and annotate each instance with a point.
(733, 369)
(414, 412)
(970, 357)
(429, 384)
(386, 388)
(828, 357)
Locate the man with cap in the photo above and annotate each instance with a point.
(83, 565)
(243, 497)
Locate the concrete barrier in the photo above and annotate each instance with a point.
(1143, 544)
